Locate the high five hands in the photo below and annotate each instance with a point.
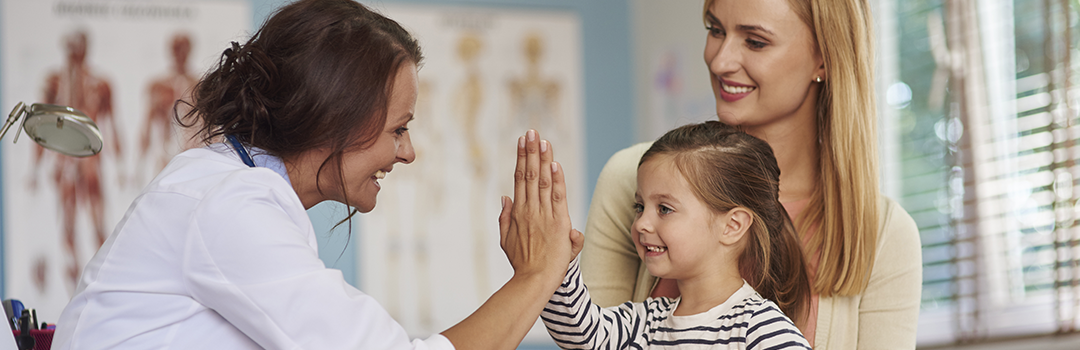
(534, 227)
(536, 235)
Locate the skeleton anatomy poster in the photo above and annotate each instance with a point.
(429, 252)
(123, 64)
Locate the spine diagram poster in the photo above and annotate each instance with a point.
(123, 64)
(429, 252)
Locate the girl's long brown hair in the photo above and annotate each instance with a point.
(317, 74)
(727, 168)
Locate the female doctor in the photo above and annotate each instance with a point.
(218, 252)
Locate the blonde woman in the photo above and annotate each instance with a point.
(797, 74)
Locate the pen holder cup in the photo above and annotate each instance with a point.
(42, 338)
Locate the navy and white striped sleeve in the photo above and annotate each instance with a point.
(770, 329)
(575, 322)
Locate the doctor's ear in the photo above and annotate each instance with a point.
(736, 222)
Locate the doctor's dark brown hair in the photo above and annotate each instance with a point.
(317, 74)
(726, 169)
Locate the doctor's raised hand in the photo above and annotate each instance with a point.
(536, 235)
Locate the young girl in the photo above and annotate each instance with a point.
(708, 217)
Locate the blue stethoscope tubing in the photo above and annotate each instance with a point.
(240, 150)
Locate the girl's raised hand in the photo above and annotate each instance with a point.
(534, 228)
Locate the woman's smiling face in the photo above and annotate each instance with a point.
(763, 60)
(363, 168)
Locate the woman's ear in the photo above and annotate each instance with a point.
(820, 73)
(736, 222)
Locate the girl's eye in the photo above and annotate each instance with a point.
(715, 31)
(638, 208)
(663, 209)
(401, 130)
(754, 44)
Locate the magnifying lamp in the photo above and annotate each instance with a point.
(59, 128)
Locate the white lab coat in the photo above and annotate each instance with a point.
(217, 255)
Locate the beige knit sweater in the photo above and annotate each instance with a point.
(883, 317)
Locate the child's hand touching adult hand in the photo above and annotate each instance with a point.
(536, 235)
(535, 228)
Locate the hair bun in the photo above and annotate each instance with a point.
(232, 54)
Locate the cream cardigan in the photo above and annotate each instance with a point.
(883, 317)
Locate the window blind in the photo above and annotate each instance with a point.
(980, 147)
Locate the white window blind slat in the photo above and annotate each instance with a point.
(989, 169)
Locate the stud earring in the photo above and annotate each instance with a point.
(817, 79)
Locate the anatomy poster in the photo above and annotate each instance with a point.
(123, 64)
(429, 252)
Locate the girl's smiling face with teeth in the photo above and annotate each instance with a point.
(675, 233)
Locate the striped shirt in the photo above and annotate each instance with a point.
(744, 321)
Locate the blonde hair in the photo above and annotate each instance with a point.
(844, 205)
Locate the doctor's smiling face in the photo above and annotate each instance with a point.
(763, 61)
(363, 168)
